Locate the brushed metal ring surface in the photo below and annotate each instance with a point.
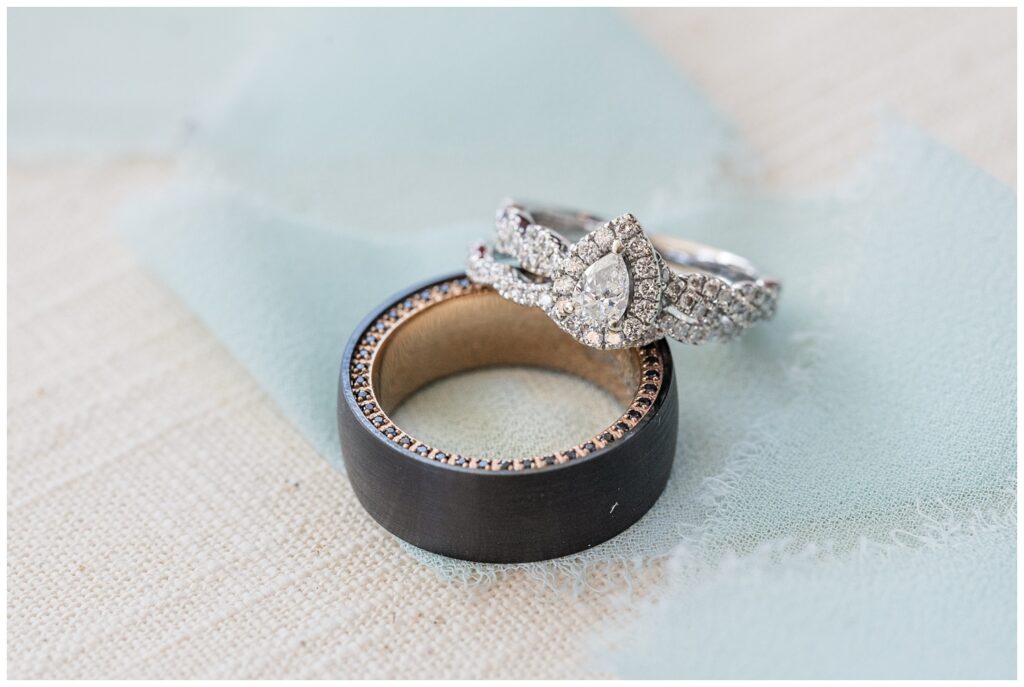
(519, 509)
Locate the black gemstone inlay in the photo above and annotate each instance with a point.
(634, 413)
(622, 426)
(652, 374)
(549, 460)
(504, 465)
(650, 360)
(643, 401)
(590, 446)
(608, 437)
(570, 454)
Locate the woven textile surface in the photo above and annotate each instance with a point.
(164, 520)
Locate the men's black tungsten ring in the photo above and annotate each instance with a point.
(518, 509)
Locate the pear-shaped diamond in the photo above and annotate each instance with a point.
(603, 293)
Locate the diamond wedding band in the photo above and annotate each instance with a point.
(616, 286)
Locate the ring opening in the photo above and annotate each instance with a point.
(453, 327)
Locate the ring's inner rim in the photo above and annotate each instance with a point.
(481, 329)
(682, 256)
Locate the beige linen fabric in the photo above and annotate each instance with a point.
(806, 86)
(165, 521)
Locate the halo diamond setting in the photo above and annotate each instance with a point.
(614, 299)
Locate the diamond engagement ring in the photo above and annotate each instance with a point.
(617, 287)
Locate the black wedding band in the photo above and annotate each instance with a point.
(500, 511)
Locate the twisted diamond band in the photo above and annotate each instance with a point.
(615, 286)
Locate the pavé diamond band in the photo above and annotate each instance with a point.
(610, 285)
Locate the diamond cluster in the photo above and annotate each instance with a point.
(506, 279)
(607, 292)
(700, 308)
(361, 388)
(537, 249)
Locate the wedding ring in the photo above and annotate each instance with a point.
(516, 509)
(610, 285)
